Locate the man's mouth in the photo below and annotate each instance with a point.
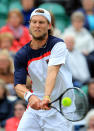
(37, 31)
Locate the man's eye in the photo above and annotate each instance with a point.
(41, 22)
(34, 22)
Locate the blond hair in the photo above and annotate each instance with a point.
(18, 13)
(77, 15)
(6, 53)
(6, 35)
(3, 85)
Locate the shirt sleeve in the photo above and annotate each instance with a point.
(58, 55)
(20, 73)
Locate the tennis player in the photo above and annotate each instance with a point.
(46, 60)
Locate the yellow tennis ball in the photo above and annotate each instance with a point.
(66, 101)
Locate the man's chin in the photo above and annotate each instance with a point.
(42, 37)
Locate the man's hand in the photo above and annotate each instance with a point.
(44, 104)
(34, 102)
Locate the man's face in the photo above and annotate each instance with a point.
(69, 40)
(91, 123)
(4, 64)
(14, 20)
(5, 43)
(39, 27)
(28, 4)
(19, 110)
(88, 4)
(78, 24)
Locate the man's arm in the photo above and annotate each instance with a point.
(20, 75)
(50, 84)
(21, 90)
(33, 100)
(51, 79)
(57, 58)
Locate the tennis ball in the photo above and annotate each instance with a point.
(66, 101)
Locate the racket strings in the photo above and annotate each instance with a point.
(77, 110)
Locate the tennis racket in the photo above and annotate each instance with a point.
(78, 108)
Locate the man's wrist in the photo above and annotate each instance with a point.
(47, 97)
(27, 95)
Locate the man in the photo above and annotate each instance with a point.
(45, 59)
(88, 12)
(84, 42)
(77, 59)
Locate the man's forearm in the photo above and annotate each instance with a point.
(33, 100)
(51, 79)
(20, 90)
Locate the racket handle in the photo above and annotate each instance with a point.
(49, 104)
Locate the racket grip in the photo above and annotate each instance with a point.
(49, 104)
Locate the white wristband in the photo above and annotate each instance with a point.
(27, 95)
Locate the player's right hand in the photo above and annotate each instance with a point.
(34, 102)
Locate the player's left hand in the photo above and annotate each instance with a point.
(44, 104)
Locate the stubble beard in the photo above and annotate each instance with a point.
(42, 37)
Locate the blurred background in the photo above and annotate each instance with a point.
(72, 21)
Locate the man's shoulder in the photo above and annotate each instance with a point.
(53, 40)
(22, 53)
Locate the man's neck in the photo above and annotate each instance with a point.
(37, 44)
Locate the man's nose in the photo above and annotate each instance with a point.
(37, 24)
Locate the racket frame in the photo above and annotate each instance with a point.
(60, 99)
